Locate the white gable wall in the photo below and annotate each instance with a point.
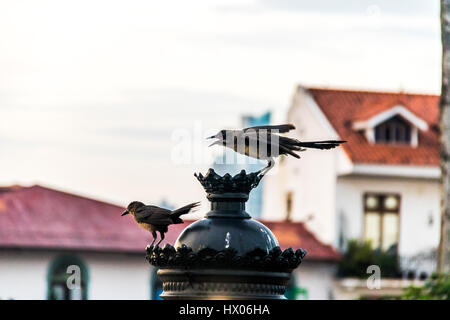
(312, 179)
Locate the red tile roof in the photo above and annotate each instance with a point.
(43, 218)
(343, 107)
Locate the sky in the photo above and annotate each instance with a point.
(98, 97)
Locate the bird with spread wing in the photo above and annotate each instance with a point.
(265, 143)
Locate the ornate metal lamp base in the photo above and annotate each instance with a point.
(227, 255)
(219, 284)
(211, 274)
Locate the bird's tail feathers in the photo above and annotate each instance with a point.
(289, 149)
(175, 215)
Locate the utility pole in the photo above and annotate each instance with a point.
(444, 124)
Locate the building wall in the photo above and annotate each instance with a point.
(419, 206)
(23, 275)
(317, 278)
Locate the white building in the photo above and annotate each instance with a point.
(382, 185)
(44, 231)
(47, 236)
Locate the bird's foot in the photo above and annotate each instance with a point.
(265, 170)
(149, 247)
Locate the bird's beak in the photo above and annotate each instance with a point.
(124, 213)
(212, 137)
(215, 142)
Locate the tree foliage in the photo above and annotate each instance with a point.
(437, 287)
(360, 255)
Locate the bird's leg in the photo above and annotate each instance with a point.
(269, 166)
(162, 238)
(154, 238)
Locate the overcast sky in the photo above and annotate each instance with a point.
(93, 93)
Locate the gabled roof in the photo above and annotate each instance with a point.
(343, 108)
(42, 218)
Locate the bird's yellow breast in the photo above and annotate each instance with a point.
(146, 226)
(245, 149)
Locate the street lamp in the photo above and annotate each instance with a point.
(226, 255)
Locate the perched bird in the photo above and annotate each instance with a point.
(153, 218)
(264, 143)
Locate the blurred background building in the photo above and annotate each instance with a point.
(382, 186)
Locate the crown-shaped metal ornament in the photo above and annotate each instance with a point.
(240, 183)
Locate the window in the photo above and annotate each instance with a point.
(289, 206)
(60, 270)
(395, 130)
(381, 219)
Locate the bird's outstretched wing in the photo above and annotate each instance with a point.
(281, 128)
(153, 215)
(287, 145)
(272, 142)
